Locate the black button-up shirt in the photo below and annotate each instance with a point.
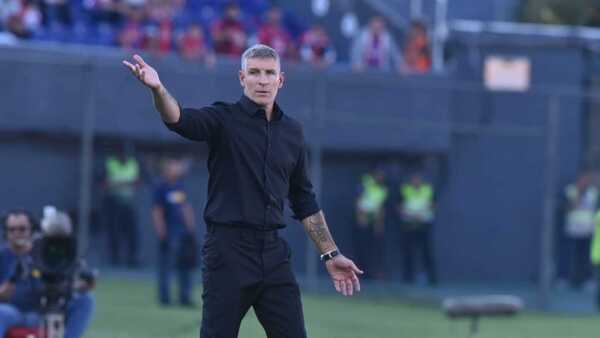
(253, 164)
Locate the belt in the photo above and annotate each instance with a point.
(243, 232)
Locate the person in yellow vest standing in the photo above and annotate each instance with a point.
(370, 223)
(582, 203)
(417, 212)
(122, 177)
(595, 256)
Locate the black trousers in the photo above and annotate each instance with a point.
(122, 231)
(245, 268)
(580, 267)
(369, 251)
(597, 274)
(418, 239)
(363, 242)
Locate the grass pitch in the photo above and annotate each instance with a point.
(128, 309)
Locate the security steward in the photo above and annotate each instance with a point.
(370, 223)
(416, 209)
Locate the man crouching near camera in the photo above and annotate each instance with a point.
(20, 288)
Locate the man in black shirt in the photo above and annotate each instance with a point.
(257, 159)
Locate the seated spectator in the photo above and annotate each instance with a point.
(158, 38)
(21, 17)
(131, 35)
(374, 48)
(105, 11)
(273, 34)
(57, 12)
(164, 16)
(162, 10)
(228, 33)
(192, 45)
(417, 54)
(254, 7)
(316, 48)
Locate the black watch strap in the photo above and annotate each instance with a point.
(329, 255)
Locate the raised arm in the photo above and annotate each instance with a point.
(164, 102)
(194, 124)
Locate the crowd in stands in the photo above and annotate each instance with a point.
(202, 29)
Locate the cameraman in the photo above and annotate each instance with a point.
(20, 287)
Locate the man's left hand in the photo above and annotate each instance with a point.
(344, 274)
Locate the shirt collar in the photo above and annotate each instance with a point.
(253, 109)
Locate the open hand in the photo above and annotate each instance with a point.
(344, 273)
(143, 72)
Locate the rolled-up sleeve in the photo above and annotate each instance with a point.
(197, 124)
(302, 198)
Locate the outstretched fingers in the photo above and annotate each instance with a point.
(343, 287)
(129, 65)
(140, 72)
(139, 59)
(337, 286)
(349, 288)
(356, 269)
(135, 69)
(356, 282)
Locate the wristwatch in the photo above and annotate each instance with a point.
(329, 255)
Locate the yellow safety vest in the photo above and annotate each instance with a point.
(373, 196)
(417, 202)
(595, 247)
(119, 173)
(579, 221)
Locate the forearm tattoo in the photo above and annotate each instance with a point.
(317, 229)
